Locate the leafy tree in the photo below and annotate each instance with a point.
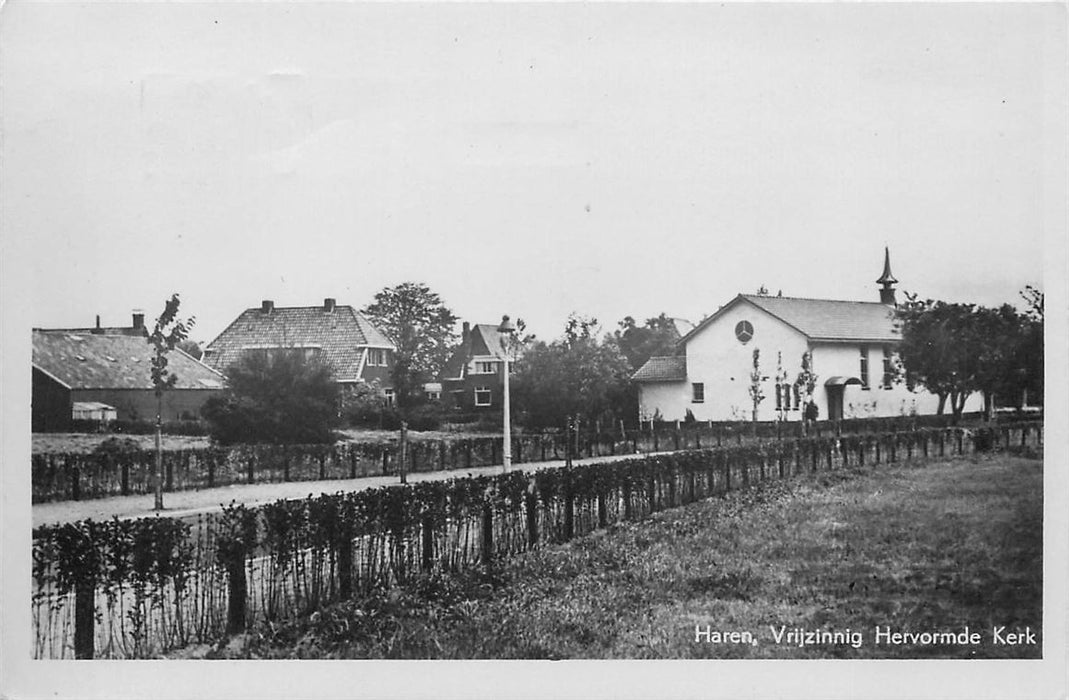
(941, 348)
(757, 392)
(806, 381)
(168, 332)
(275, 397)
(421, 327)
(575, 375)
(657, 336)
(191, 348)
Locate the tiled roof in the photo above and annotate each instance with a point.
(486, 341)
(821, 319)
(662, 369)
(339, 334)
(92, 361)
(826, 319)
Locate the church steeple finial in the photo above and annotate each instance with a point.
(887, 280)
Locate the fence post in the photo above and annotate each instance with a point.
(532, 519)
(427, 549)
(488, 533)
(126, 477)
(672, 488)
(569, 512)
(602, 515)
(651, 490)
(84, 619)
(727, 472)
(345, 564)
(235, 609)
(76, 487)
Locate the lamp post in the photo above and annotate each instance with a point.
(506, 329)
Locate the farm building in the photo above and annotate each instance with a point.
(340, 336)
(104, 374)
(851, 346)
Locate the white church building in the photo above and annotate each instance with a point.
(851, 346)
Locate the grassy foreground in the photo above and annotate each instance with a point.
(912, 549)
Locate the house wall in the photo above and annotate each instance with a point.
(672, 399)
(467, 386)
(716, 358)
(51, 404)
(140, 404)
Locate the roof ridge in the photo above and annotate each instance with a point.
(834, 301)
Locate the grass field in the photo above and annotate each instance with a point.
(911, 549)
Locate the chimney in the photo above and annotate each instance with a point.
(465, 334)
(329, 304)
(267, 306)
(139, 319)
(98, 330)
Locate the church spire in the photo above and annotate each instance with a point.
(887, 280)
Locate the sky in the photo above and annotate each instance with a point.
(530, 160)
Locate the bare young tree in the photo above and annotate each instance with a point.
(168, 332)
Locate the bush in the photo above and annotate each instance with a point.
(275, 398)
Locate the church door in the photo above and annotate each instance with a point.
(835, 402)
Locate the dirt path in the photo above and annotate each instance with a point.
(186, 504)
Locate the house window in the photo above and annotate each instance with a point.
(797, 397)
(864, 367)
(482, 396)
(376, 357)
(387, 396)
(434, 396)
(482, 367)
(698, 390)
(888, 373)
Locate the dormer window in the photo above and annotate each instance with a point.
(376, 357)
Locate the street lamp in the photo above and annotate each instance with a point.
(506, 329)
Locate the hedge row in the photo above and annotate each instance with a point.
(158, 583)
(81, 476)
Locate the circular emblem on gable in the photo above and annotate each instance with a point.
(744, 331)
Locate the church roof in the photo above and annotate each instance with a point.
(662, 369)
(822, 319)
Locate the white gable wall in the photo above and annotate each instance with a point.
(717, 358)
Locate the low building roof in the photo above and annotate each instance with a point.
(662, 369)
(338, 333)
(96, 361)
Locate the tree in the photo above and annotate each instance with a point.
(757, 393)
(658, 336)
(421, 327)
(275, 396)
(941, 349)
(575, 375)
(806, 382)
(168, 332)
(191, 348)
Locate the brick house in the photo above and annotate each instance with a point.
(472, 379)
(340, 336)
(106, 373)
(852, 350)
